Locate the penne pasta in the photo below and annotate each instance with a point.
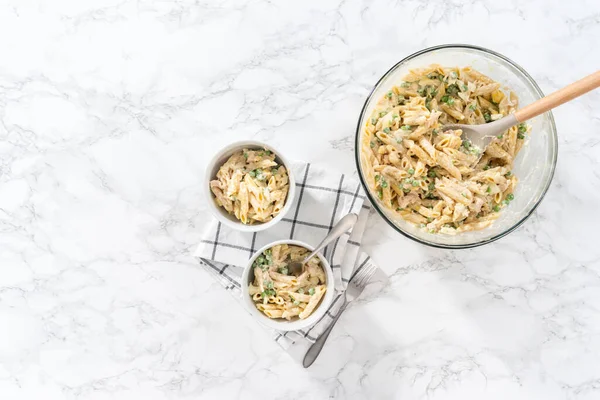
(279, 294)
(251, 186)
(435, 178)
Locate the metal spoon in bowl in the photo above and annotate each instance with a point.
(338, 230)
(482, 135)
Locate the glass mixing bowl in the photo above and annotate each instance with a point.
(534, 165)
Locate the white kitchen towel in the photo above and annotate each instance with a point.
(322, 198)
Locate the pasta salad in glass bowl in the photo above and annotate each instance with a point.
(280, 299)
(430, 184)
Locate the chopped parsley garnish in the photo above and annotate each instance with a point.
(258, 174)
(472, 106)
(448, 100)
(421, 92)
(260, 261)
(268, 292)
(389, 94)
(508, 174)
(268, 254)
(268, 284)
(489, 189)
(452, 89)
(487, 116)
(522, 128)
(431, 186)
(468, 146)
(520, 136)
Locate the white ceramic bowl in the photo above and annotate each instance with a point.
(282, 324)
(211, 172)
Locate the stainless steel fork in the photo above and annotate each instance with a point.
(355, 287)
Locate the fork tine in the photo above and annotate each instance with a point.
(362, 273)
(356, 275)
(362, 277)
(359, 271)
(369, 271)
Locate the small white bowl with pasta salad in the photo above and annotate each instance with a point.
(281, 300)
(249, 186)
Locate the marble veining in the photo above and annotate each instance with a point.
(109, 111)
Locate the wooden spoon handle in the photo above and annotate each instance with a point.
(559, 97)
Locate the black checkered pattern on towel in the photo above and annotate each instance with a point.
(322, 198)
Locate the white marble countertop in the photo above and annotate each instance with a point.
(109, 111)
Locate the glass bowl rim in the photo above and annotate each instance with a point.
(357, 148)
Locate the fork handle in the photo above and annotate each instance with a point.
(314, 350)
(559, 97)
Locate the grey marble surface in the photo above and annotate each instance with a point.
(109, 111)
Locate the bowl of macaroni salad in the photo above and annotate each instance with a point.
(431, 184)
(250, 186)
(280, 299)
